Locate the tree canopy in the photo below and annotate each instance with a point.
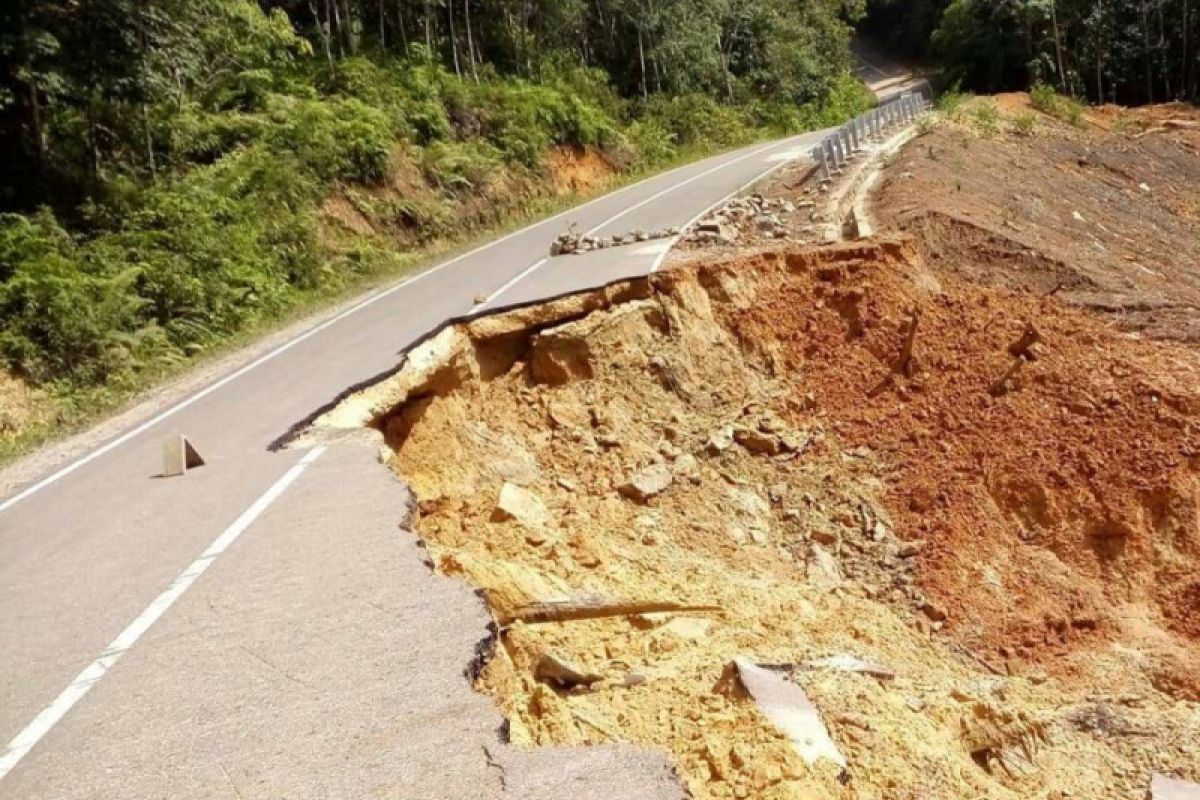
(1125, 51)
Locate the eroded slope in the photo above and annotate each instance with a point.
(753, 444)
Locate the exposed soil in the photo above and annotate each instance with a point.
(968, 454)
(578, 170)
(408, 209)
(1107, 216)
(1019, 561)
(20, 406)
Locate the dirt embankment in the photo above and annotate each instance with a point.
(926, 478)
(422, 203)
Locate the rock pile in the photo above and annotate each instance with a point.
(756, 215)
(573, 243)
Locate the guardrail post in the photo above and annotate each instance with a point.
(818, 157)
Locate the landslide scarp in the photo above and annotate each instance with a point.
(810, 454)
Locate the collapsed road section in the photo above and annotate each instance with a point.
(820, 523)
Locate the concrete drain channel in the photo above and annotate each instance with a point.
(684, 546)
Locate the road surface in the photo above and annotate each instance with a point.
(261, 627)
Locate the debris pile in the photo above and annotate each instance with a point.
(573, 243)
(752, 219)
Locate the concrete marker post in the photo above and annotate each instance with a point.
(179, 455)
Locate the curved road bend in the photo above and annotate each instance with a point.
(317, 656)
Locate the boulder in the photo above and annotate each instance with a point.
(519, 504)
(647, 483)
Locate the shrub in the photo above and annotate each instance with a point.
(986, 117)
(1049, 101)
(950, 102)
(1025, 123)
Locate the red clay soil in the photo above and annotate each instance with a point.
(1060, 509)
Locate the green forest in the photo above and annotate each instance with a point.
(1131, 52)
(166, 160)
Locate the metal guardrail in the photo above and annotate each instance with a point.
(836, 149)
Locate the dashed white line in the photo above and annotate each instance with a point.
(25, 741)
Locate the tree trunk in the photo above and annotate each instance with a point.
(401, 26)
(470, 40)
(382, 28)
(1058, 50)
(1148, 54)
(453, 39)
(1185, 74)
(725, 69)
(322, 30)
(35, 123)
(333, 17)
(149, 140)
(428, 30)
(642, 58)
(348, 27)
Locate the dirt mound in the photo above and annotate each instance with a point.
(745, 460)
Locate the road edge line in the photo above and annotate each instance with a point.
(51, 715)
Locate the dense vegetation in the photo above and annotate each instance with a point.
(1124, 51)
(166, 160)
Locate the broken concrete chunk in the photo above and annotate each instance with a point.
(1165, 788)
(688, 627)
(788, 708)
(647, 483)
(521, 505)
(554, 669)
(823, 569)
(686, 466)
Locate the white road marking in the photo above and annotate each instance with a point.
(24, 741)
(370, 300)
(488, 300)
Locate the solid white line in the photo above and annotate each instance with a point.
(91, 675)
(774, 168)
(488, 300)
(374, 298)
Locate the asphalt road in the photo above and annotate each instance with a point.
(260, 627)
